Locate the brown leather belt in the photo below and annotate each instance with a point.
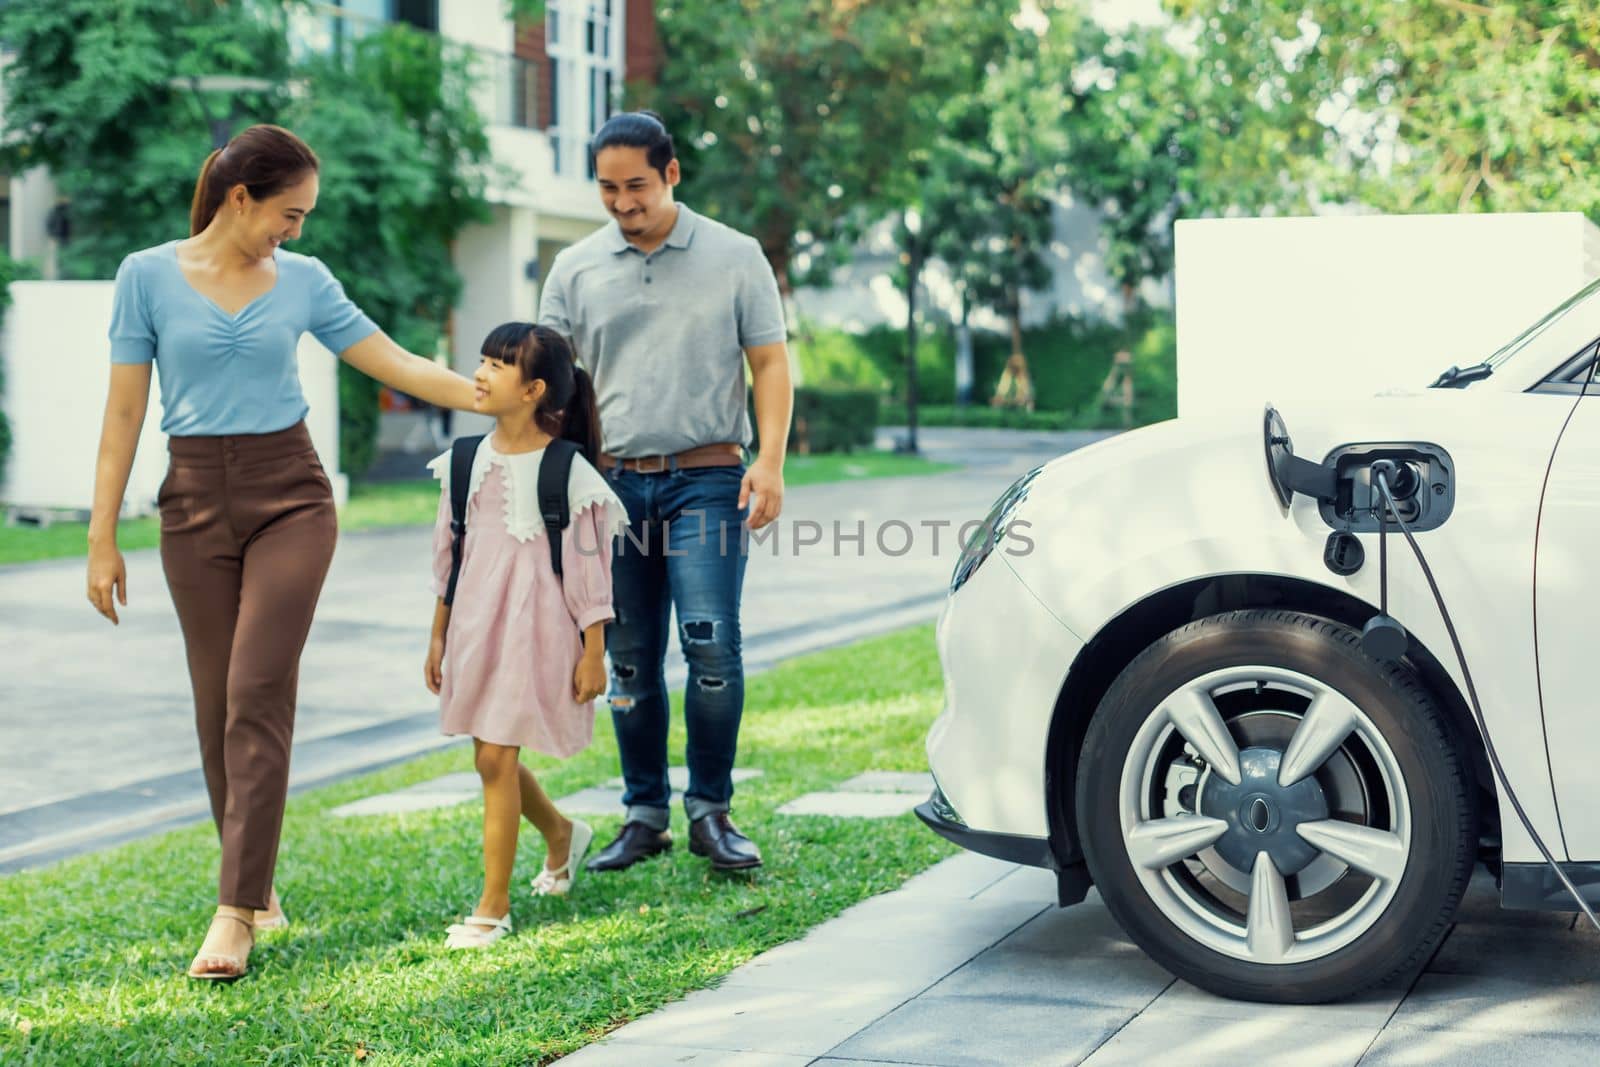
(722, 454)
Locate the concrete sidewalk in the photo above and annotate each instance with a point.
(971, 964)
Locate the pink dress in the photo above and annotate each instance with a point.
(514, 636)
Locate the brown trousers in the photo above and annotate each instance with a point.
(247, 533)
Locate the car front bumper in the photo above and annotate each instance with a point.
(1004, 658)
(1072, 880)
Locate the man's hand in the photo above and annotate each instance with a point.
(764, 480)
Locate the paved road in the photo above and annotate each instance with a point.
(96, 741)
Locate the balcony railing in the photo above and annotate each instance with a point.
(512, 83)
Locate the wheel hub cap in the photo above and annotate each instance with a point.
(1262, 816)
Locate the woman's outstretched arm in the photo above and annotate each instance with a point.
(377, 356)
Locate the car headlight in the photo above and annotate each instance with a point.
(987, 536)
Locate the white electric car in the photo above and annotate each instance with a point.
(1174, 670)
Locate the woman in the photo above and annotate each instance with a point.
(247, 514)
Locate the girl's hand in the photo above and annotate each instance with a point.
(589, 680)
(433, 670)
(108, 580)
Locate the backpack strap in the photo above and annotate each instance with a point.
(462, 452)
(554, 506)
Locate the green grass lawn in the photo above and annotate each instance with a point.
(95, 947)
(842, 467)
(410, 503)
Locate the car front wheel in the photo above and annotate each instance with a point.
(1271, 814)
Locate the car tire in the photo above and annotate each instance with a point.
(1388, 813)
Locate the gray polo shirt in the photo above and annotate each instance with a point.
(664, 334)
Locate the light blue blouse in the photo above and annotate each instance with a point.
(227, 374)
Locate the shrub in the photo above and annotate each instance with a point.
(1068, 358)
(829, 419)
(10, 270)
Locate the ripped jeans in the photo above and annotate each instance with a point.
(683, 550)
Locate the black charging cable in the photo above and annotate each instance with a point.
(1380, 473)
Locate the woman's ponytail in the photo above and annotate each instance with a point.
(204, 205)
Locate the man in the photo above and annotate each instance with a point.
(664, 308)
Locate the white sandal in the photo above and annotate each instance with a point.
(558, 883)
(237, 966)
(477, 931)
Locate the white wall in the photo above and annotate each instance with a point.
(57, 365)
(481, 24)
(491, 259)
(1304, 309)
(33, 194)
(526, 177)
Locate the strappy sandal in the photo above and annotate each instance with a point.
(558, 883)
(239, 963)
(273, 922)
(477, 931)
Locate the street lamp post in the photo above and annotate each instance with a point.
(200, 85)
(912, 221)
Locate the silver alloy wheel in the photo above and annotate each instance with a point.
(1283, 811)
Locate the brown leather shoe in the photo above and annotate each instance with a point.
(716, 837)
(636, 842)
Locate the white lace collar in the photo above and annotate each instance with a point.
(586, 487)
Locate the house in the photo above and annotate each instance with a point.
(545, 90)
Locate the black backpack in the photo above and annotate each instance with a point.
(554, 507)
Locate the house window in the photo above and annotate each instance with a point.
(583, 39)
(328, 28)
(373, 10)
(423, 14)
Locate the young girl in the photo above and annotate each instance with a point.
(506, 657)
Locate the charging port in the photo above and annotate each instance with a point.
(1423, 485)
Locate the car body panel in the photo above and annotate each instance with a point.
(1126, 518)
(1567, 592)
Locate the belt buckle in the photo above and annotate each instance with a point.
(640, 466)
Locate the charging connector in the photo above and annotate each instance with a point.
(1382, 472)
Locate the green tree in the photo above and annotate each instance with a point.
(95, 92)
(1132, 152)
(989, 181)
(797, 120)
(403, 171)
(1446, 105)
(92, 92)
(1138, 128)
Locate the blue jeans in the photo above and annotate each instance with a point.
(683, 550)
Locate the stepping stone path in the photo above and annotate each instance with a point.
(607, 799)
(873, 795)
(444, 792)
(453, 789)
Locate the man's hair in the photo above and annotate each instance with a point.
(637, 129)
